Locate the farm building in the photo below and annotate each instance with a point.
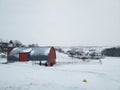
(22, 54)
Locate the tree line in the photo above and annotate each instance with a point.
(114, 51)
(16, 43)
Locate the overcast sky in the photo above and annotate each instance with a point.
(61, 22)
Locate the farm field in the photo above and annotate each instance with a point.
(66, 74)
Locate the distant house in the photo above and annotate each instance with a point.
(23, 54)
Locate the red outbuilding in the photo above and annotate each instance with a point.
(23, 56)
(9, 50)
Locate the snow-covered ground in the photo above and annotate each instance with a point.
(67, 74)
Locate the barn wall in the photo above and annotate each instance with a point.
(23, 57)
(38, 57)
(52, 56)
(12, 59)
(9, 50)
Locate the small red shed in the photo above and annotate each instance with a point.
(10, 47)
(23, 56)
(9, 50)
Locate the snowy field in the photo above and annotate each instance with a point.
(67, 74)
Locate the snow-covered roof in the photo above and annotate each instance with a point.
(27, 50)
(10, 45)
(33, 51)
(40, 51)
(2, 54)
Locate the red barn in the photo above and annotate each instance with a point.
(46, 54)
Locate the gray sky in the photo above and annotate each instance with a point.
(61, 22)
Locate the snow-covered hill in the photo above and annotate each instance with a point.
(67, 74)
